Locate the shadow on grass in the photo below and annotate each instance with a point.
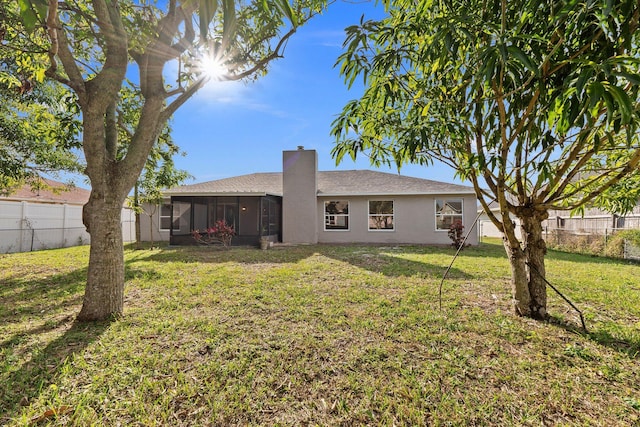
(32, 310)
(24, 384)
(27, 297)
(558, 255)
(629, 347)
(395, 266)
(369, 257)
(382, 259)
(219, 255)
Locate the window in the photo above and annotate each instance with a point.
(448, 211)
(165, 218)
(336, 215)
(381, 215)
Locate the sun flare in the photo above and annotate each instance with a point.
(212, 67)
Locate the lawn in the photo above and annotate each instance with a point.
(318, 335)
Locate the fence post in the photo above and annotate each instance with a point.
(624, 249)
(64, 224)
(23, 218)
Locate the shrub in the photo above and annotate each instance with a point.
(456, 234)
(221, 232)
(615, 245)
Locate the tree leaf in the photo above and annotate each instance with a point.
(522, 58)
(206, 12)
(633, 78)
(623, 100)
(29, 17)
(42, 9)
(229, 23)
(285, 8)
(595, 94)
(425, 110)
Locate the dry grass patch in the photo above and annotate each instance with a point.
(321, 335)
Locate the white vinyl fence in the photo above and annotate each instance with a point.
(26, 226)
(631, 251)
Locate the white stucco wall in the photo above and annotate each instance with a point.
(414, 219)
(150, 225)
(299, 187)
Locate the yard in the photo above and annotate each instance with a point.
(320, 335)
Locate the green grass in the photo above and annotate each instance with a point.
(320, 335)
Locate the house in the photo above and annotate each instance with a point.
(486, 228)
(302, 205)
(49, 217)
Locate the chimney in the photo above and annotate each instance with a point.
(299, 196)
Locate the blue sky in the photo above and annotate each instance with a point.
(235, 128)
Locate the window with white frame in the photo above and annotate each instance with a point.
(448, 211)
(165, 218)
(381, 215)
(336, 215)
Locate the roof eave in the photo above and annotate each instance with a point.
(221, 194)
(395, 194)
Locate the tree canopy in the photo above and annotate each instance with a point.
(535, 102)
(39, 135)
(39, 122)
(98, 48)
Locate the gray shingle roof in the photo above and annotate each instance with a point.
(330, 183)
(366, 182)
(246, 185)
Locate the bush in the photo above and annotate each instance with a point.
(221, 232)
(615, 246)
(593, 244)
(456, 234)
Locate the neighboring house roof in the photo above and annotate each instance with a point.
(330, 183)
(447, 209)
(52, 192)
(493, 206)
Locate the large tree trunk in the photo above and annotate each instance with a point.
(535, 249)
(528, 284)
(519, 276)
(104, 293)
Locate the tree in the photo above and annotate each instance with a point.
(159, 173)
(535, 102)
(39, 135)
(39, 124)
(93, 45)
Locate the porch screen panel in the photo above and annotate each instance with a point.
(271, 216)
(227, 210)
(249, 216)
(200, 215)
(182, 217)
(274, 218)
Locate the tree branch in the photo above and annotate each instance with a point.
(259, 65)
(75, 80)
